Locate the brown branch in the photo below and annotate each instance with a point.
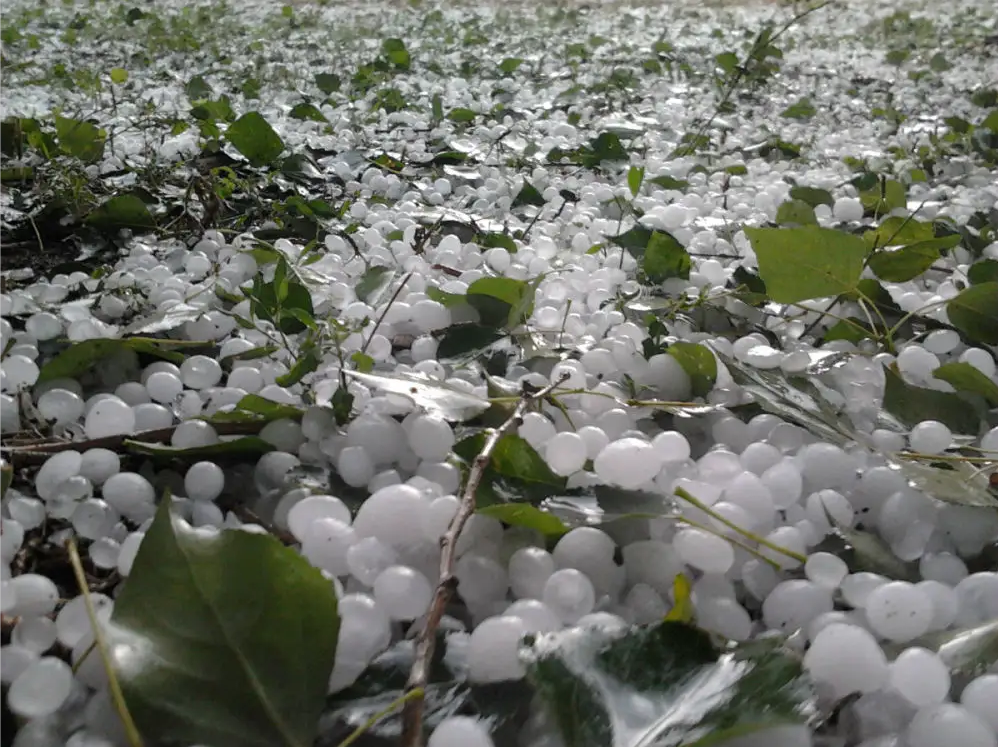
(412, 715)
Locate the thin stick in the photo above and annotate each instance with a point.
(359, 731)
(412, 715)
(384, 313)
(117, 696)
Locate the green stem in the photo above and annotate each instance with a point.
(394, 705)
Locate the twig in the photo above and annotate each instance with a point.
(384, 313)
(117, 696)
(359, 731)
(412, 715)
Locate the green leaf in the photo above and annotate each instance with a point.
(510, 65)
(513, 456)
(197, 88)
(966, 378)
(253, 408)
(666, 685)
(266, 304)
(901, 265)
(858, 330)
(462, 115)
(939, 63)
(974, 312)
(682, 610)
(801, 109)
(699, 364)
(528, 195)
(122, 211)
(373, 283)
(983, 271)
(635, 176)
(255, 139)
(515, 300)
(796, 212)
(447, 299)
(118, 75)
(306, 364)
(437, 107)
(798, 264)
(493, 240)
(958, 482)
(81, 356)
(990, 122)
(895, 231)
(633, 240)
(201, 638)
(665, 258)
(306, 111)
(812, 196)
(460, 339)
(881, 199)
(668, 182)
(435, 396)
(526, 515)
(912, 405)
(80, 139)
(328, 83)
(240, 448)
(396, 53)
(967, 652)
(606, 147)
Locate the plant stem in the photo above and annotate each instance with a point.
(384, 313)
(117, 696)
(412, 715)
(359, 731)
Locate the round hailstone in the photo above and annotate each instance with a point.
(704, 551)
(326, 543)
(529, 570)
(36, 595)
(129, 549)
(930, 437)
(536, 615)
(36, 634)
(980, 696)
(898, 611)
(920, 676)
(19, 372)
(847, 659)
(672, 446)
(111, 416)
(825, 569)
(60, 406)
(480, 579)
(493, 650)
(431, 438)
(43, 326)
(951, 724)
(402, 592)
(355, 466)
(193, 433)
(784, 482)
(365, 630)
(569, 594)
(847, 209)
(438, 516)
(827, 466)
(393, 514)
(945, 603)
(978, 597)
(536, 429)
(652, 562)
(857, 587)
(367, 558)
(10, 414)
(645, 604)
(73, 623)
(130, 494)
(565, 453)
(57, 469)
(628, 462)
(200, 372)
(15, 661)
(460, 731)
(41, 689)
(93, 519)
(98, 465)
(204, 481)
(164, 387)
(595, 440)
(793, 604)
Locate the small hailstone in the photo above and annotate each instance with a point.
(536, 429)
(393, 514)
(365, 629)
(847, 209)
(98, 465)
(529, 569)
(628, 462)
(724, 616)
(367, 558)
(326, 543)
(951, 724)
(825, 569)
(671, 446)
(847, 659)
(130, 494)
(111, 416)
(164, 387)
(980, 696)
(569, 594)
(645, 604)
(536, 615)
(60, 406)
(652, 562)
(566, 453)
(36, 595)
(431, 438)
(15, 660)
(93, 519)
(793, 604)
(36, 634)
(898, 611)
(785, 484)
(355, 466)
(204, 481)
(930, 437)
(920, 676)
(460, 731)
(200, 372)
(480, 579)
(827, 466)
(493, 650)
(129, 550)
(41, 689)
(73, 621)
(402, 592)
(56, 469)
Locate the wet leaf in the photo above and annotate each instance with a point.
(526, 515)
(896, 231)
(528, 195)
(664, 685)
(983, 271)
(397, 54)
(501, 301)
(122, 211)
(812, 196)
(798, 264)
(904, 264)
(796, 213)
(512, 457)
(80, 139)
(669, 182)
(635, 177)
(306, 111)
(373, 283)
(459, 339)
(327, 82)
(965, 377)
(967, 652)
(682, 610)
(912, 405)
(252, 136)
(434, 396)
(201, 639)
(460, 115)
(633, 240)
(974, 312)
(164, 321)
(960, 483)
(665, 258)
(256, 409)
(699, 364)
(801, 109)
(243, 447)
(81, 356)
